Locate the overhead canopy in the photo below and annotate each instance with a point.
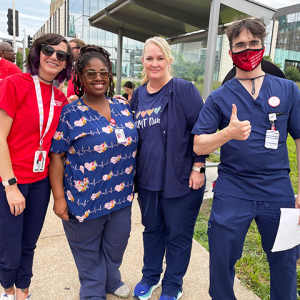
(173, 19)
(142, 19)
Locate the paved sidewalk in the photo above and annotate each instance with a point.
(56, 277)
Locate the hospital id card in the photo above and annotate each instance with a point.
(39, 161)
(121, 138)
(272, 138)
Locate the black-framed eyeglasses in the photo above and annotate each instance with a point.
(48, 51)
(11, 50)
(91, 74)
(251, 45)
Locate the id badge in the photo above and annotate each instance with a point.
(39, 161)
(272, 138)
(120, 136)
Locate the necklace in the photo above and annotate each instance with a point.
(47, 81)
(253, 82)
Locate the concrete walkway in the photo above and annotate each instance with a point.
(56, 278)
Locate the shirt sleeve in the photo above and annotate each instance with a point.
(294, 118)
(14, 70)
(209, 118)
(192, 105)
(10, 97)
(61, 140)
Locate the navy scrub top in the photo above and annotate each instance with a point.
(248, 170)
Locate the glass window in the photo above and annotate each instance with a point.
(86, 33)
(93, 36)
(115, 40)
(101, 37)
(86, 21)
(109, 40)
(125, 54)
(86, 7)
(93, 7)
(101, 4)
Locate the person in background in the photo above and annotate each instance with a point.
(7, 59)
(250, 117)
(129, 88)
(7, 52)
(170, 178)
(92, 174)
(76, 45)
(29, 113)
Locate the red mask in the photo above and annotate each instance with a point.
(248, 59)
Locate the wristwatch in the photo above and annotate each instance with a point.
(10, 181)
(200, 169)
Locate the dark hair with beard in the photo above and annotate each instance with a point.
(33, 58)
(85, 55)
(254, 26)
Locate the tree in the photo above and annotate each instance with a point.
(19, 58)
(268, 58)
(292, 73)
(186, 69)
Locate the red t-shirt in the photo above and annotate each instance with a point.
(7, 68)
(70, 89)
(18, 99)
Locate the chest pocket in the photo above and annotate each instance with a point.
(281, 126)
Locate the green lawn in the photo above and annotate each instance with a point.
(252, 269)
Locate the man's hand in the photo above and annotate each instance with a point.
(238, 130)
(196, 180)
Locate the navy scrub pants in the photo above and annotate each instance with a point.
(227, 227)
(18, 235)
(98, 246)
(169, 227)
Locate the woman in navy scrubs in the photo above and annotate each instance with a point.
(170, 176)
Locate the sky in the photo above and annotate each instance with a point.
(33, 14)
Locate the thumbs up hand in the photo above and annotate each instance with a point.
(238, 130)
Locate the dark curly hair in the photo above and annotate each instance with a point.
(33, 58)
(86, 54)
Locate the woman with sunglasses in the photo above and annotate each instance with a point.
(29, 113)
(91, 174)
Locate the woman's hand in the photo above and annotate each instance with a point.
(60, 208)
(120, 97)
(15, 200)
(196, 180)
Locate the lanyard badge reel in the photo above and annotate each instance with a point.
(120, 134)
(41, 155)
(272, 136)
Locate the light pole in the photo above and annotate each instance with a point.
(24, 51)
(14, 27)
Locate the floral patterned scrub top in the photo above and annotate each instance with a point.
(98, 175)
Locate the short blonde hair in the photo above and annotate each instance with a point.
(165, 49)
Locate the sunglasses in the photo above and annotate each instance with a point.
(48, 51)
(93, 74)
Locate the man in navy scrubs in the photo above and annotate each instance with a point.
(254, 112)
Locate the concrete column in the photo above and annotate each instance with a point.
(211, 47)
(119, 60)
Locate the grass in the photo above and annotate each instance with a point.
(252, 269)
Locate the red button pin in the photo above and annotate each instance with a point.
(112, 121)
